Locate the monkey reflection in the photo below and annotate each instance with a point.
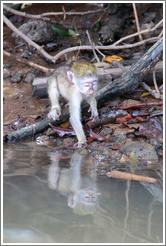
(81, 191)
(75, 83)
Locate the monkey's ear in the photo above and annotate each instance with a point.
(70, 77)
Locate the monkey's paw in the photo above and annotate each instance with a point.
(94, 115)
(54, 114)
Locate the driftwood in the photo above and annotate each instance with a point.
(129, 80)
(39, 85)
(32, 130)
(116, 72)
(130, 176)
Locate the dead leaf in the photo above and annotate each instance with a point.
(112, 58)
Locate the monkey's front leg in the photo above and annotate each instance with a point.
(93, 108)
(53, 93)
(75, 118)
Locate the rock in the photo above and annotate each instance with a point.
(143, 151)
(26, 54)
(37, 30)
(115, 26)
(16, 76)
(29, 77)
(6, 75)
(39, 87)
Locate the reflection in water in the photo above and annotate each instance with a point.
(56, 197)
(81, 192)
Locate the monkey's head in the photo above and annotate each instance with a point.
(83, 75)
(84, 201)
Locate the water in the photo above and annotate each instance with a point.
(57, 197)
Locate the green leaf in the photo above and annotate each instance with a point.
(24, 5)
(72, 33)
(59, 31)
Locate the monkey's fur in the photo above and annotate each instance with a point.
(75, 84)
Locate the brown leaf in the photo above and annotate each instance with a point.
(62, 131)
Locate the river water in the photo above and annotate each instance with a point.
(57, 197)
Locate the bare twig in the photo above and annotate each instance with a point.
(153, 93)
(32, 64)
(155, 82)
(64, 12)
(141, 32)
(115, 45)
(40, 16)
(91, 43)
(85, 47)
(107, 47)
(143, 104)
(100, 53)
(156, 93)
(161, 34)
(136, 19)
(28, 40)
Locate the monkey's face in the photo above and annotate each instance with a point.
(87, 86)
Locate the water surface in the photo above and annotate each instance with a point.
(57, 197)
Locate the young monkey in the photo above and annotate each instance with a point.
(75, 83)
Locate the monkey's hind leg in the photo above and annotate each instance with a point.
(53, 93)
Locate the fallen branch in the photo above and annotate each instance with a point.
(116, 72)
(40, 85)
(130, 176)
(115, 46)
(140, 105)
(129, 80)
(32, 130)
(45, 18)
(24, 14)
(78, 48)
(31, 64)
(28, 40)
(136, 20)
(138, 33)
(92, 45)
(109, 47)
